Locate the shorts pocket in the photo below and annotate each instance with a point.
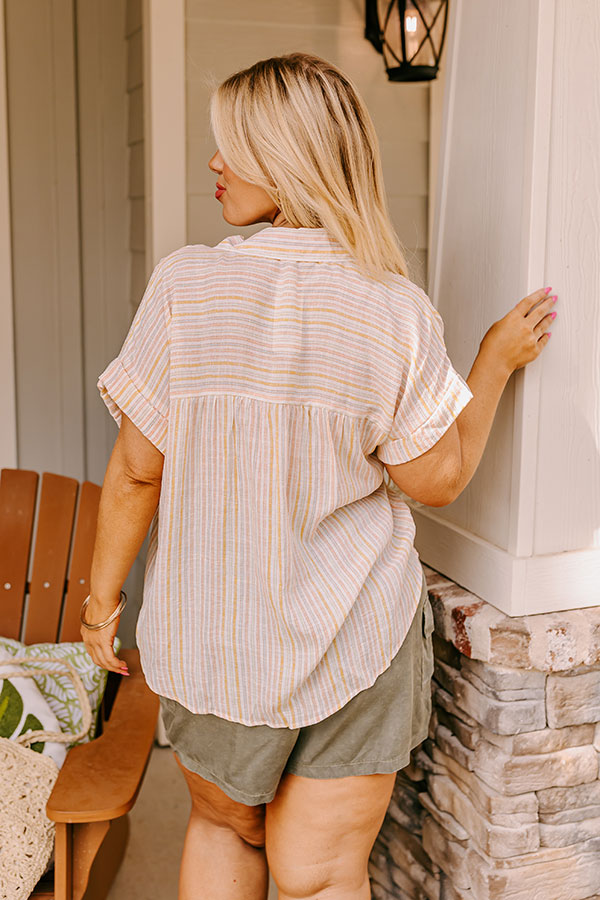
(427, 659)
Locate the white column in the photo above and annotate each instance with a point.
(517, 208)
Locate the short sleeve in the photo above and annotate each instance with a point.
(136, 382)
(431, 394)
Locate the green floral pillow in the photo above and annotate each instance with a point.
(57, 687)
(23, 709)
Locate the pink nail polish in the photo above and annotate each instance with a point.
(553, 315)
(553, 298)
(548, 290)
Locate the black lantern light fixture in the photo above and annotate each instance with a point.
(409, 34)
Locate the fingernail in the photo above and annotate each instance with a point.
(548, 290)
(553, 298)
(123, 672)
(553, 315)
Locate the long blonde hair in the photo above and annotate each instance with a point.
(296, 126)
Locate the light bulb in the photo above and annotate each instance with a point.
(412, 40)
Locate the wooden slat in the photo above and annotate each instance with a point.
(87, 840)
(52, 544)
(81, 560)
(18, 489)
(63, 865)
(95, 867)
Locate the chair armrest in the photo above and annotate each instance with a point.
(100, 779)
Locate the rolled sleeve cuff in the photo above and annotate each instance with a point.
(120, 394)
(405, 448)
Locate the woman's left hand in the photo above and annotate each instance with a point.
(520, 336)
(99, 643)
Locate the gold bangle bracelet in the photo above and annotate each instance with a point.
(106, 622)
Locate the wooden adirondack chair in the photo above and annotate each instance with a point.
(99, 780)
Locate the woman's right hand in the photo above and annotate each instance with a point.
(521, 335)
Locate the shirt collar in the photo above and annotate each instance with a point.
(286, 242)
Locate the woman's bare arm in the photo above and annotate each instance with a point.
(129, 499)
(438, 476)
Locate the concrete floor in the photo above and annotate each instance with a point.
(150, 869)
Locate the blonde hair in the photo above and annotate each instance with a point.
(296, 126)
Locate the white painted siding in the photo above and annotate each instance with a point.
(480, 244)
(8, 400)
(42, 131)
(105, 263)
(567, 512)
(68, 171)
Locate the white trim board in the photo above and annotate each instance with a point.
(163, 30)
(532, 266)
(437, 204)
(517, 586)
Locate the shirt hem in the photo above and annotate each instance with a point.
(221, 715)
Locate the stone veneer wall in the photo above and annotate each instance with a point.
(503, 798)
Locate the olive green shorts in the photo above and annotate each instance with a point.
(373, 733)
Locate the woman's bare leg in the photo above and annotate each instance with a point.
(320, 833)
(223, 854)
(217, 864)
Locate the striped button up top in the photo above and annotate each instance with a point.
(276, 378)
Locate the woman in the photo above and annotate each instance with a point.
(285, 623)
